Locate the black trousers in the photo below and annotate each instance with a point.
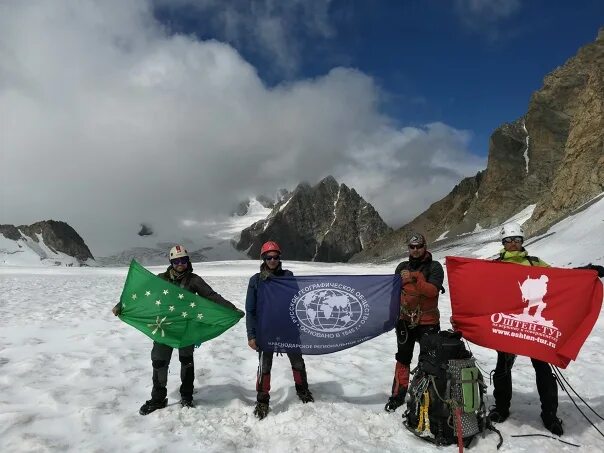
(406, 338)
(502, 383)
(160, 359)
(263, 377)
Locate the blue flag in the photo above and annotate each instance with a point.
(327, 313)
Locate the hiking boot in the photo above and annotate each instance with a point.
(552, 423)
(305, 396)
(152, 405)
(394, 402)
(186, 402)
(498, 415)
(261, 410)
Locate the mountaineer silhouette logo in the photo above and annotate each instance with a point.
(527, 326)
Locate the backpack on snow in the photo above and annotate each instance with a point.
(446, 395)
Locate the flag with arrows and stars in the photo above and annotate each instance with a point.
(169, 314)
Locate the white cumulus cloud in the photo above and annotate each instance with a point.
(108, 121)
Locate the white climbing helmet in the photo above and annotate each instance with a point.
(511, 229)
(178, 251)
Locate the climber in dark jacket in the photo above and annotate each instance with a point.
(270, 268)
(180, 272)
(421, 280)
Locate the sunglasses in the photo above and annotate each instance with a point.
(177, 261)
(416, 247)
(272, 257)
(516, 239)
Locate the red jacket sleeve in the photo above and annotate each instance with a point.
(423, 287)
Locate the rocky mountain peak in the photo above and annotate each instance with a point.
(60, 236)
(48, 237)
(329, 182)
(326, 222)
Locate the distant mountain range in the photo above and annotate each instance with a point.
(328, 222)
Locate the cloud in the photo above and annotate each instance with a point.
(110, 121)
(403, 171)
(274, 30)
(486, 17)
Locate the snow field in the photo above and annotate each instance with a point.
(72, 378)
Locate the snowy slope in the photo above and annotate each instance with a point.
(234, 225)
(27, 252)
(576, 240)
(72, 376)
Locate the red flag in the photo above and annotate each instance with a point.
(542, 312)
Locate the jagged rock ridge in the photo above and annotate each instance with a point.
(329, 222)
(552, 157)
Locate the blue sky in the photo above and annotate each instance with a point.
(471, 64)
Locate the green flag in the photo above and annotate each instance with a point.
(169, 314)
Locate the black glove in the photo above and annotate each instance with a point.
(599, 269)
(117, 310)
(594, 267)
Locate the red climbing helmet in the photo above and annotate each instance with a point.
(270, 246)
